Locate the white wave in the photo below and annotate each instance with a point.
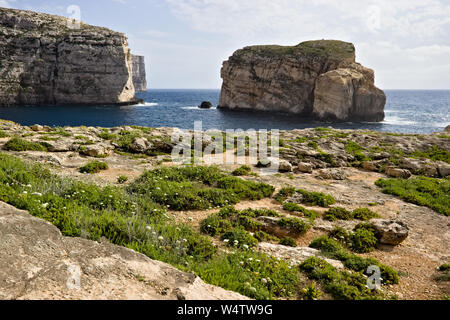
(146, 104)
(398, 121)
(194, 108)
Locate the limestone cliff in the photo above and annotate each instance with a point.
(44, 61)
(139, 76)
(318, 79)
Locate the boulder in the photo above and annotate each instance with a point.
(305, 167)
(96, 150)
(205, 105)
(284, 166)
(139, 145)
(332, 174)
(37, 127)
(444, 170)
(447, 129)
(398, 173)
(38, 263)
(295, 256)
(390, 232)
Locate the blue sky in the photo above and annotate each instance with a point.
(407, 42)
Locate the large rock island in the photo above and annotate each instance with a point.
(318, 79)
(45, 61)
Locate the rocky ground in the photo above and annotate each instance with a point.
(342, 163)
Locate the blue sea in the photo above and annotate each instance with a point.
(407, 111)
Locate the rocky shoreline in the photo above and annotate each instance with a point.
(345, 164)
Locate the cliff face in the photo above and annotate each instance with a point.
(43, 61)
(139, 76)
(315, 78)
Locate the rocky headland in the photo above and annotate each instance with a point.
(317, 79)
(338, 203)
(45, 60)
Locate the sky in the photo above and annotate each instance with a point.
(406, 42)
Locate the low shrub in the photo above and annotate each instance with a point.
(337, 213)
(239, 238)
(293, 207)
(311, 198)
(242, 171)
(334, 250)
(294, 225)
(19, 144)
(445, 267)
(94, 167)
(311, 292)
(364, 214)
(288, 241)
(363, 241)
(122, 179)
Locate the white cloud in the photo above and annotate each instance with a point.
(6, 3)
(411, 37)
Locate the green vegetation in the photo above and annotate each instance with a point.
(334, 250)
(363, 239)
(310, 198)
(445, 267)
(18, 144)
(242, 171)
(194, 187)
(294, 225)
(356, 150)
(133, 220)
(444, 273)
(122, 179)
(58, 131)
(293, 207)
(430, 192)
(106, 135)
(311, 293)
(434, 153)
(3, 134)
(338, 213)
(289, 242)
(238, 237)
(342, 285)
(94, 167)
(229, 218)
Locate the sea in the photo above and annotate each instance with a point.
(407, 111)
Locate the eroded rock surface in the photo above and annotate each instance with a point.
(37, 262)
(46, 60)
(315, 78)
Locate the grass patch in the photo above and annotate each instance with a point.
(434, 153)
(193, 187)
(18, 144)
(334, 250)
(289, 242)
(338, 213)
(310, 198)
(94, 167)
(430, 192)
(294, 207)
(242, 171)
